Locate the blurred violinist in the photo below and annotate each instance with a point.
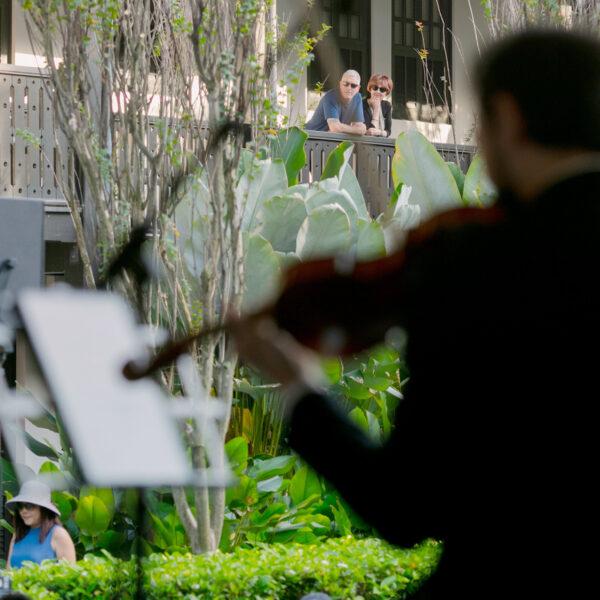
(494, 447)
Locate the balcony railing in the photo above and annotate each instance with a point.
(34, 155)
(371, 161)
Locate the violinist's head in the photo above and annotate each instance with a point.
(539, 93)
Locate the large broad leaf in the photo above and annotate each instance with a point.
(261, 181)
(191, 229)
(342, 521)
(340, 197)
(243, 494)
(265, 469)
(371, 241)
(237, 454)
(8, 481)
(325, 232)
(398, 218)
(40, 448)
(479, 189)
(287, 260)
(64, 502)
(338, 165)
(288, 145)
(104, 494)
(301, 188)
(92, 516)
(280, 220)
(305, 483)
(417, 163)
(458, 175)
(262, 274)
(367, 421)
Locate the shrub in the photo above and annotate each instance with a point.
(344, 568)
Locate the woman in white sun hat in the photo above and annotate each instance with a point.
(39, 534)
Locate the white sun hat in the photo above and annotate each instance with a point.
(33, 492)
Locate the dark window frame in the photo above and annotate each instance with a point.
(346, 44)
(6, 49)
(408, 70)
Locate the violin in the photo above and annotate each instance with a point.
(333, 306)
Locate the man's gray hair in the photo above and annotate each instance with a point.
(351, 73)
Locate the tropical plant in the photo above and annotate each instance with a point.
(280, 500)
(436, 185)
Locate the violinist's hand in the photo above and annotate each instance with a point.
(278, 356)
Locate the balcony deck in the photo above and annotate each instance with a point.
(34, 155)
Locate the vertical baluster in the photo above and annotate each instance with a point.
(6, 128)
(19, 144)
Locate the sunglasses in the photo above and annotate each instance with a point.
(26, 506)
(352, 85)
(379, 89)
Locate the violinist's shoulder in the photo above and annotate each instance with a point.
(456, 220)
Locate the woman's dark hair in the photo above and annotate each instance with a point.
(49, 519)
(554, 76)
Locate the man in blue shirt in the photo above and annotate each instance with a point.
(340, 110)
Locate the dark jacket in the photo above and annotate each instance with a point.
(386, 109)
(495, 445)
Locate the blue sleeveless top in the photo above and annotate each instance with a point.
(29, 548)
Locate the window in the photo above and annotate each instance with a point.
(420, 84)
(6, 31)
(346, 45)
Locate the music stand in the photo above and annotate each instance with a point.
(124, 434)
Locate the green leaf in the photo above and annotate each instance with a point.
(46, 420)
(237, 454)
(39, 448)
(371, 241)
(4, 523)
(337, 160)
(270, 485)
(9, 481)
(271, 513)
(280, 221)
(287, 260)
(333, 369)
(92, 516)
(304, 484)
(265, 469)
(325, 232)
(341, 197)
(338, 165)
(342, 521)
(64, 503)
(360, 418)
(458, 175)
(305, 536)
(112, 541)
(105, 494)
(263, 180)
(416, 163)
(479, 189)
(262, 274)
(243, 494)
(357, 389)
(288, 145)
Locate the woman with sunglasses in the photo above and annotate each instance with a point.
(38, 534)
(378, 112)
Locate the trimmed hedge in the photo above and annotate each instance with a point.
(344, 568)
